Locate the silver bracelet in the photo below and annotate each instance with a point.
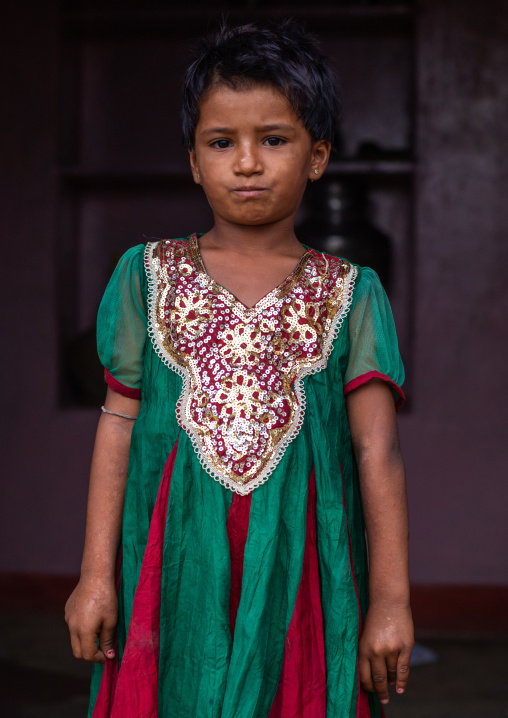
(116, 413)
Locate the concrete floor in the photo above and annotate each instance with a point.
(39, 678)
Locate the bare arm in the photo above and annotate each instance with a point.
(387, 638)
(92, 607)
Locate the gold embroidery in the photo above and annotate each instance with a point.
(185, 269)
(190, 314)
(243, 399)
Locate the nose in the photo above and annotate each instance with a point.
(247, 160)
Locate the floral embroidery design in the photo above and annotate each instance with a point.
(243, 400)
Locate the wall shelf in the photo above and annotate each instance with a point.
(98, 177)
(371, 168)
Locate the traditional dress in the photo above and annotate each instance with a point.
(242, 577)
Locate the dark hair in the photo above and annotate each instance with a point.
(283, 55)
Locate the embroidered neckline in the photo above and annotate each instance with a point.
(244, 311)
(243, 398)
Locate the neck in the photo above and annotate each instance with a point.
(253, 240)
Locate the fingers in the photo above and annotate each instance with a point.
(91, 614)
(402, 670)
(99, 656)
(84, 645)
(391, 670)
(365, 674)
(76, 645)
(107, 640)
(89, 646)
(384, 649)
(380, 679)
(377, 672)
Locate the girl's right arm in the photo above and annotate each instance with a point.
(91, 610)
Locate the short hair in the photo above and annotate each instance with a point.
(283, 55)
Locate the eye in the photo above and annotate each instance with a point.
(221, 144)
(274, 141)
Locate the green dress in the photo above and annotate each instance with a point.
(242, 577)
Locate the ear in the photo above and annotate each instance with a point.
(320, 154)
(194, 166)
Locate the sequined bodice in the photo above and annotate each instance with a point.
(243, 399)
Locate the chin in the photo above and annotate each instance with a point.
(261, 218)
(260, 222)
(251, 221)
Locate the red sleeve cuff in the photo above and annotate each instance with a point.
(365, 378)
(127, 391)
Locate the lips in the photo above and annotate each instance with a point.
(249, 191)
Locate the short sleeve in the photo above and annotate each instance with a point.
(374, 350)
(121, 325)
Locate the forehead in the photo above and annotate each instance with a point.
(251, 104)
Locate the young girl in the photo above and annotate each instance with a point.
(248, 437)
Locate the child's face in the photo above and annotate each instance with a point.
(253, 155)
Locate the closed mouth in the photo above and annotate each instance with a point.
(249, 191)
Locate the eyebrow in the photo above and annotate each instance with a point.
(263, 128)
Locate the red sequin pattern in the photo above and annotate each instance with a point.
(242, 401)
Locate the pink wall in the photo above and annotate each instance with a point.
(455, 439)
(454, 435)
(44, 450)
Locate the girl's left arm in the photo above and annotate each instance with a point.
(387, 638)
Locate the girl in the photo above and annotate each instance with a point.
(248, 437)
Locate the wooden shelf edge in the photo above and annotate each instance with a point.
(140, 176)
(371, 167)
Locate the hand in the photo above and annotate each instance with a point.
(385, 648)
(90, 612)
